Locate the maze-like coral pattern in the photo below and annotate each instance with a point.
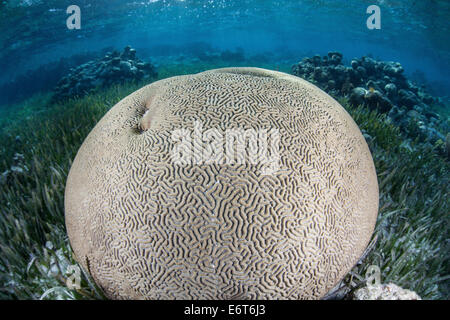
(145, 228)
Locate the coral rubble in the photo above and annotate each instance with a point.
(388, 291)
(113, 68)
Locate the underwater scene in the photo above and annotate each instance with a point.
(224, 149)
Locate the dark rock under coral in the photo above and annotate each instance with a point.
(114, 67)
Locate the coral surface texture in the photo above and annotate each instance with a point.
(146, 227)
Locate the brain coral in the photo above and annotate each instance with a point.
(146, 228)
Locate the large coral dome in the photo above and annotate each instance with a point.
(155, 212)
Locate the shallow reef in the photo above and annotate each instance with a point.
(43, 78)
(113, 68)
(410, 244)
(381, 86)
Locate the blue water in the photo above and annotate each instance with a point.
(414, 33)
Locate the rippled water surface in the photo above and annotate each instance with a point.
(412, 32)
